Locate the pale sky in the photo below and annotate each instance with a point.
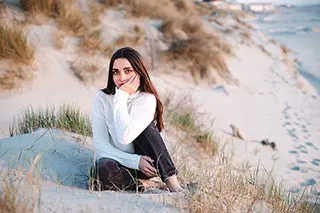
(296, 2)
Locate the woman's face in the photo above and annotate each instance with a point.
(122, 71)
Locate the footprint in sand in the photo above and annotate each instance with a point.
(292, 133)
(304, 171)
(295, 168)
(308, 182)
(295, 130)
(302, 149)
(304, 129)
(288, 125)
(311, 145)
(288, 107)
(301, 161)
(294, 190)
(316, 162)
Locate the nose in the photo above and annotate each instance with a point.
(122, 77)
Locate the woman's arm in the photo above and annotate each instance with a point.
(130, 125)
(101, 139)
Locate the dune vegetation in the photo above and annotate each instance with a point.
(213, 186)
(14, 49)
(67, 117)
(187, 39)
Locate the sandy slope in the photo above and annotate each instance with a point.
(63, 166)
(55, 83)
(266, 104)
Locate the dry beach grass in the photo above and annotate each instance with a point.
(19, 189)
(205, 165)
(213, 184)
(216, 186)
(188, 39)
(68, 117)
(14, 45)
(16, 56)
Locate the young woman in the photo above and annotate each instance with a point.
(126, 121)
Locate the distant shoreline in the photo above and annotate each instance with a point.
(294, 34)
(312, 79)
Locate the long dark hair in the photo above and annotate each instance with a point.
(137, 64)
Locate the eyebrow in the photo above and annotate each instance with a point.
(125, 68)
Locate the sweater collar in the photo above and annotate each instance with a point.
(132, 96)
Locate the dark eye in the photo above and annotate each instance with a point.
(115, 72)
(127, 71)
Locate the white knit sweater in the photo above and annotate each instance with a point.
(119, 119)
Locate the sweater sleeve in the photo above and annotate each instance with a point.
(101, 138)
(130, 125)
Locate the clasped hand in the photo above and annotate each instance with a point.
(131, 85)
(145, 166)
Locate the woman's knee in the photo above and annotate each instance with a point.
(110, 175)
(107, 167)
(150, 134)
(107, 173)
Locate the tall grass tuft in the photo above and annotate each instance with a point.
(201, 54)
(92, 42)
(58, 39)
(111, 3)
(47, 7)
(66, 117)
(13, 76)
(18, 193)
(87, 70)
(182, 115)
(67, 13)
(161, 9)
(94, 12)
(71, 19)
(14, 45)
(187, 38)
(217, 186)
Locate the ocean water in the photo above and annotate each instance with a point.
(299, 29)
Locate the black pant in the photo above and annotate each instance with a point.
(111, 175)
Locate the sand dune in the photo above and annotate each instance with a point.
(268, 102)
(62, 167)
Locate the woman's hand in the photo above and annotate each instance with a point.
(145, 166)
(131, 85)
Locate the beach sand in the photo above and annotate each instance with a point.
(268, 102)
(63, 168)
